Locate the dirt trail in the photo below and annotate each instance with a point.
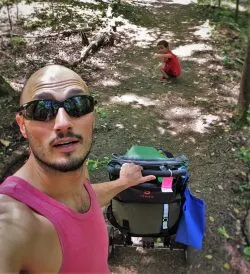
(186, 116)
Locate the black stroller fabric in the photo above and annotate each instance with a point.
(146, 209)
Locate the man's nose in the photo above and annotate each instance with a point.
(63, 122)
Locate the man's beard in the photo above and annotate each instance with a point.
(71, 165)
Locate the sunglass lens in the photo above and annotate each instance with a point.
(79, 105)
(42, 110)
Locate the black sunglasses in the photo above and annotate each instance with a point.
(46, 110)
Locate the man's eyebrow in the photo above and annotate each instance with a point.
(43, 95)
(47, 95)
(75, 91)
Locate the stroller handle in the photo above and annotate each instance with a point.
(115, 170)
(178, 161)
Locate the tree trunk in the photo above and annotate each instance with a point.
(9, 17)
(244, 96)
(237, 10)
(17, 12)
(5, 88)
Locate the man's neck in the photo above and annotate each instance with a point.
(57, 184)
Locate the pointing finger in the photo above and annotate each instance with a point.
(147, 178)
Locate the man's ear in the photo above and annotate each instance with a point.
(20, 122)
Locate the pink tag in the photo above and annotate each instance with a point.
(166, 185)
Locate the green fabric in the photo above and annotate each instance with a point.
(144, 153)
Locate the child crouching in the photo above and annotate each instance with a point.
(170, 66)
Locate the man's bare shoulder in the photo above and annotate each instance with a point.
(26, 236)
(18, 218)
(18, 222)
(15, 212)
(16, 233)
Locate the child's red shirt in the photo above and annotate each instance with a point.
(172, 64)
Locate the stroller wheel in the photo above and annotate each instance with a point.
(190, 254)
(127, 241)
(111, 247)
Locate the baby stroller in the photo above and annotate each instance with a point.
(149, 215)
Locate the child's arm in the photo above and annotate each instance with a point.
(162, 55)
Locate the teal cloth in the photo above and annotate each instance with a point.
(145, 153)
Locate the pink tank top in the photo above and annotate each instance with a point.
(83, 236)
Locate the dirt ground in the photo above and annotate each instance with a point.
(189, 115)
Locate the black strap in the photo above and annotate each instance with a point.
(124, 229)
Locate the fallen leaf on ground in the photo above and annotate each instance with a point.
(236, 210)
(5, 142)
(226, 266)
(211, 219)
(209, 257)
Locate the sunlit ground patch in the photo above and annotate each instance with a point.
(181, 2)
(131, 98)
(184, 119)
(189, 50)
(147, 3)
(139, 36)
(24, 10)
(204, 31)
(110, 83)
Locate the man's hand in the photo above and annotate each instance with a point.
(131, 175)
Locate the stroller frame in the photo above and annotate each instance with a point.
(120, 231)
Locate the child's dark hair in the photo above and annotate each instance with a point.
(163, 43)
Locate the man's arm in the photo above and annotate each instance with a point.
(14, 237)
(130, 175)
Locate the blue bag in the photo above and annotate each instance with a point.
(192, 225)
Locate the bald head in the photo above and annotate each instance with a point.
(51, 79)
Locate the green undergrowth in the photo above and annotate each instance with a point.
(243, 197)
(95, 164)
(230, 35)
(245, 150)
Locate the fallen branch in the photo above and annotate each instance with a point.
(5, 54)
(10, 34)
(106, 38)
(66, 33)
(239, 61)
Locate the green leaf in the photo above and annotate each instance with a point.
(247, 251)
(96, 164)
(101, 112)
(223, 232)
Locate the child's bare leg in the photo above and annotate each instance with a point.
(164, 75)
